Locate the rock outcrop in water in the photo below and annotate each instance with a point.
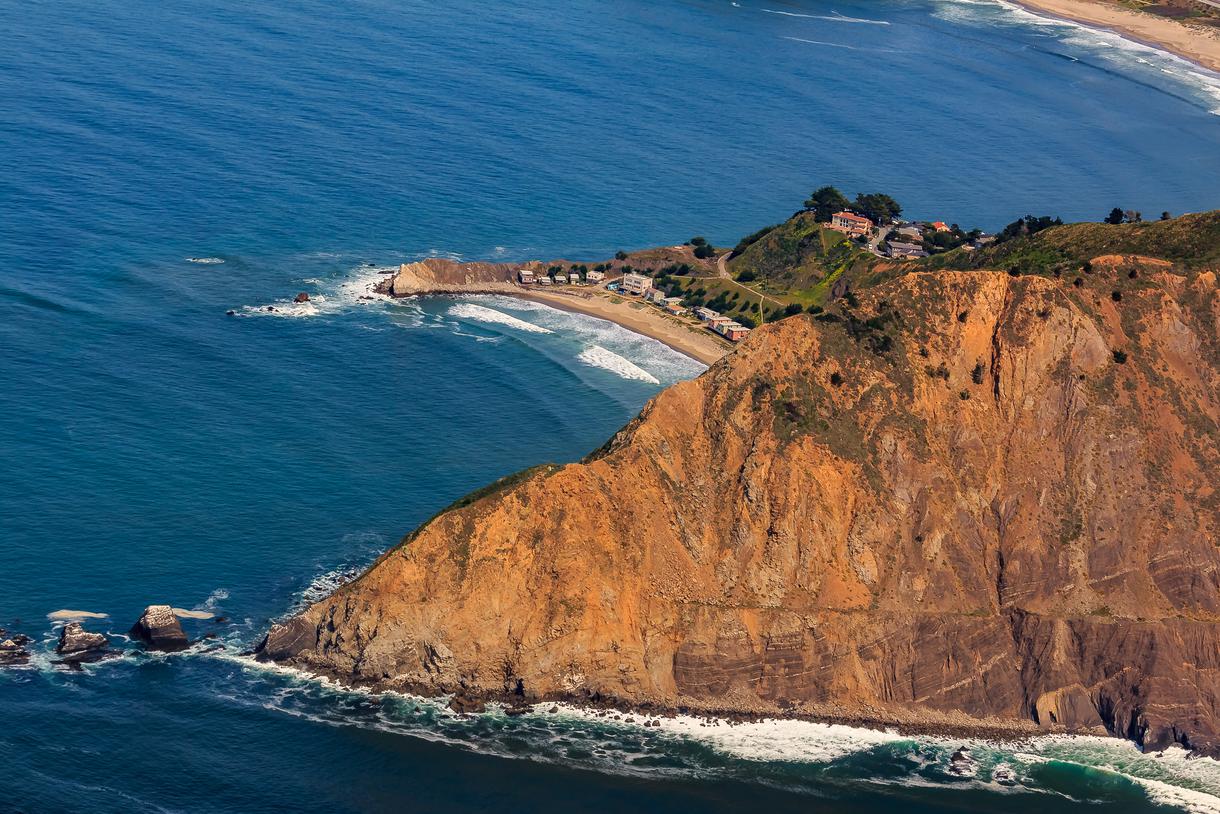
(973, 498)
(159, 629)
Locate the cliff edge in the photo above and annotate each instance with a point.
(969, 497)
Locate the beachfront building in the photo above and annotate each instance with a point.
(633, 283)
(673, 305)
(544, 280)
(574, 278)
(718, 322)
(706, 314)
(940, 226)
(595, 276)
(525, 276)
(851, 223)
(735, 332)
(655, 295)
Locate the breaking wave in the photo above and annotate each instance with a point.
(597, 356)
(1137, 61)
(479, 313)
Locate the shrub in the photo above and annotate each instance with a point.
(964, 396)
(793, 309)
(1120, 357)
(1078, 282)
(704, 251)
(815, 309)
(1117, 296)
(746, 276)
(620, 255)
(963, 316)
(836, 378)
(976, 375)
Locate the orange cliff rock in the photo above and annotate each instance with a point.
(964, 511)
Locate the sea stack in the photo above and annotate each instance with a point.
(159, 629)
(74, 640)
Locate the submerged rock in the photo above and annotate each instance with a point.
(465, 705)
(302, 297)
(159, 629)
(74, 640)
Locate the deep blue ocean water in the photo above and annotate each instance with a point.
(154, 450)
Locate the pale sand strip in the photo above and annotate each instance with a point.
(1196, 43)
(692, 340)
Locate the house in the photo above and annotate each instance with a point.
(736, 332)
(733, 331)
(673, 305)
(851, 223)
(655, 295)
(560, 279)
(633, 283)
(940, 226)
(544, 280)
(525, 276)
(706, 314)
(912, 232)
(906, 251)
(574, 278)
(595, 276)
(717, 323)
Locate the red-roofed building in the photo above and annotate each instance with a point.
(940, 226)
(851, 223)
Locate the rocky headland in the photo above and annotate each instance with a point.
(953, 498)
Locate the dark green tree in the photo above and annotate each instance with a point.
(877, 207)
(824, 202)
(1115, 216)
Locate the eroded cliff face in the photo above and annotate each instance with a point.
(966, 509)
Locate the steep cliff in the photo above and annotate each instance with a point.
(970, 497)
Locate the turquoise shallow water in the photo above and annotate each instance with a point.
(154, 449)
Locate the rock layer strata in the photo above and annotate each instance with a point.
(973, 499)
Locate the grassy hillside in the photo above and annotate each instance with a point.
(1189, 240)
(797, 256)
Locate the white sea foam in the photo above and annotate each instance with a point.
(597, 356)
(353, 290)
(1142, 62)
(207, 261)
(650, 355)
(67, 615)
(183, 613)
(834, 17)
(479, 313)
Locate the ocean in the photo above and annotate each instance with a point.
(162, 164)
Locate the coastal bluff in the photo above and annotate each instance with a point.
(437, 275)
(970, 498)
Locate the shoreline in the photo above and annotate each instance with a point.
(645, 320)
(696, 343)
(1193, 43)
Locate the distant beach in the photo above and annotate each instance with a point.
(634, 315)
(1196, 43)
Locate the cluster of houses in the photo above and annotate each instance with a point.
(529, 276)
(641, 285)
(909, 242)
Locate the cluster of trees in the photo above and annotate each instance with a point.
(1027, 225)
(703, 249)
(1128, 216)
(876, 206)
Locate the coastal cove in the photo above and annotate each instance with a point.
(167, 166)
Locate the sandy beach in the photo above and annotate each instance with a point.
(1197, 43)
(694, 341)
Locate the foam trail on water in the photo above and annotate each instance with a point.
(597, 356)
(479, 313)
(834, 17)
(206, 261)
